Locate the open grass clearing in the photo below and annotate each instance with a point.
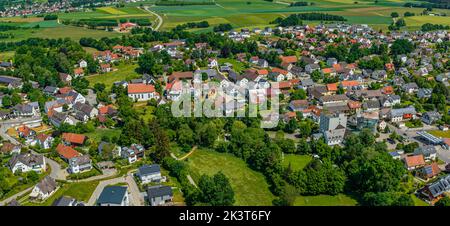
(250, 187)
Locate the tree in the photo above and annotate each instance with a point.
(443, 202)
(401, 46)
(216, 190)
(287, 197)
(394, 15)
(375, 172)
(6, 101)
(291, 126)
(162, 142)
(208, 133)
(185, 135)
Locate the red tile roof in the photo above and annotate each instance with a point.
(332, 87)
(348, 83)
(327, 70)
(140, 88)
(262, 72)
(387, 90)
(288, 59)
(279, 70)
(65, 90)
(66, 151)
(78, 71)
(74, 138)
(415, 160)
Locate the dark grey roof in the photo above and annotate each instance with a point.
(64, 201)
(149, 169)
(80, 160)
(112, 195)
(9, 79)
(50, 89)
(159, 191)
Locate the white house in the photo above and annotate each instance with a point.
(149, 173)
(44, 189)
(27, 162)
(142, 92)
(80, 164)
(44, 140)
(212, 63)
(82, 64)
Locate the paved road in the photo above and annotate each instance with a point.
(15, 196)
(160, 20)
(136, 199)
(6, 124)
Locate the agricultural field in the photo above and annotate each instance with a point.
(260, 13)
(250, 187)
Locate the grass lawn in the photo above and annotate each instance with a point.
(145, 112)
(418, 202)
(123, 72)
(4, 56)
(325, 200)
(99, 132)
(440, 133)
(80, 191)
(250, 187)
(298, 162)
(237, 65)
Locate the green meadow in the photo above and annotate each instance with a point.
(250, 187)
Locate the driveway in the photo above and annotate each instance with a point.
(136, 199)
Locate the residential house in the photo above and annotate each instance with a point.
(44, 140)
(67, 201)
(113, 196)
(78, 72)
(402, 114)
(132, 153)
(142, 92)
(298, 105)
(159, 195)
(424, 93)
(413, 162)
(429, 171)
(73, 139)
(26, 110)
(434, 191)
(44, 189)
(57, 118)
(428, 152)
(410, 87)
(149, 173)
(10, 148)
(430, 117)
(86, 109)
(66, 152)
(80, 164)
(27, 162)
